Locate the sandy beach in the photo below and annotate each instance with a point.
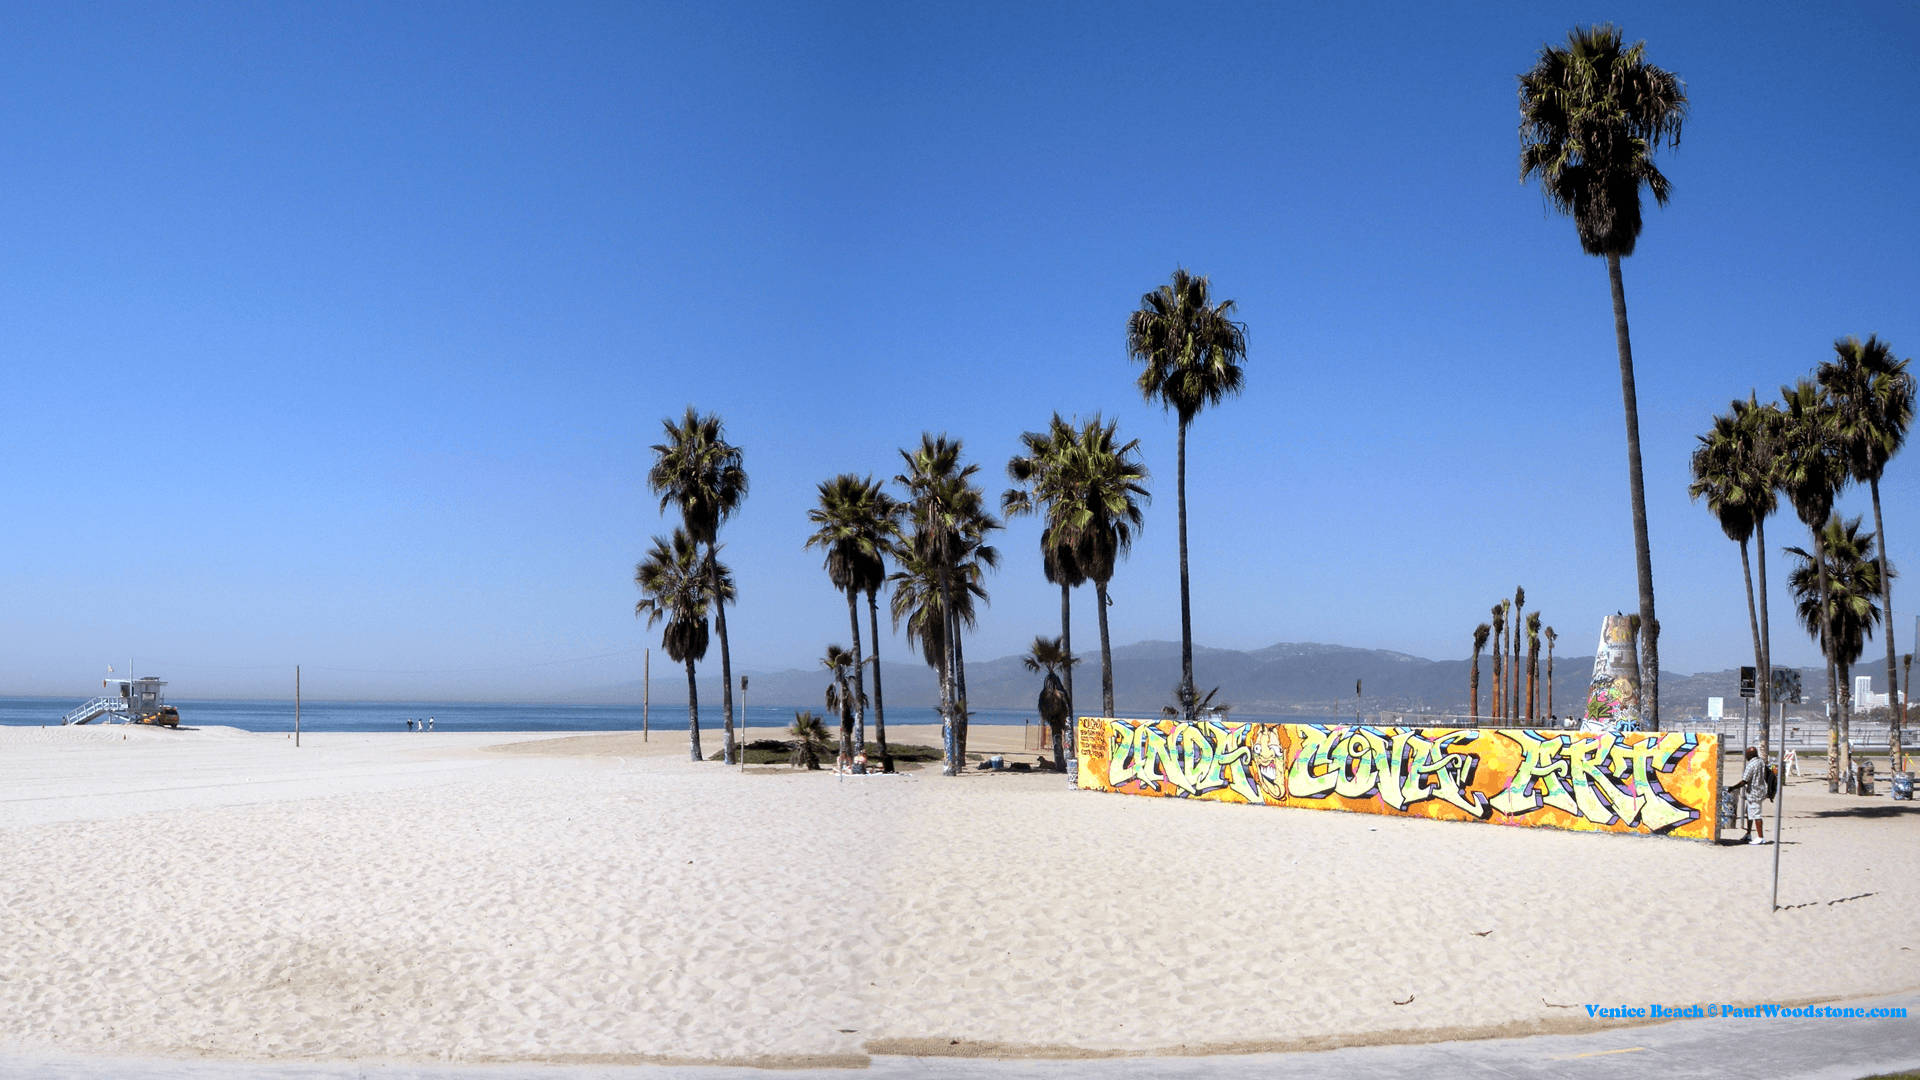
(502, 897)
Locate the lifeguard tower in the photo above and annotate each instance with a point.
(133, 701)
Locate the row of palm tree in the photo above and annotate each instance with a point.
(1841, 425)
(1081, 478)
(1509, 700)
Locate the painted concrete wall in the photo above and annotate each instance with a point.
(1658, 783)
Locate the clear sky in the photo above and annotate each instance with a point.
(337, 334)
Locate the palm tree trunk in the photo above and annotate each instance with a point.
(1499, 675)
(1763, 660)
(1753, 623)
(726, 657)
(949, 746)
(1513, 675)
(1896, 705)
(1642, 550)
(1066, 642)
(1846, 720)
(693, 714)
(1186, 605)
(1549, 678)
(960, 688)
(859, 682)
(1826, 650)
(1106, 651)
(1473, 687)
(879, 703)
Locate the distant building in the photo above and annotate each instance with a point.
(1863, 695)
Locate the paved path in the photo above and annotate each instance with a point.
(1799, 1049)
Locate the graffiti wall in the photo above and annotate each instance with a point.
(1660, 783)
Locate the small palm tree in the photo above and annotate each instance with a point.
(1192, 351)
(1473, 673)
(1810, 469)
(842, 697)
(675, 585)
(1591, 114)
(810, 738)
(699, 472)
(1499, 615)
(1872, 395)
(857, 522)
(1851, 593)
(1051, 656)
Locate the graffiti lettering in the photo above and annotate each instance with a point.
(1585, 777)
(1401, 767)
(1196, 759)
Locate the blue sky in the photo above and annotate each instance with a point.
(338, 335)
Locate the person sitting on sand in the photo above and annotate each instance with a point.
(1753, 787)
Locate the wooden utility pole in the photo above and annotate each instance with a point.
(646, 699)
(296, 704)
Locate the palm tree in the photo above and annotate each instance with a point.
(856, 521)
(950, 524)
(1519, 606)
(1051, 655)
(1499, 613)
(842, 698)
(1872, 394)
(1852, 588)
(1533, 662)
(1733, 470)
(675, 587)
(1038, 473)
(699, 472)
(1551, 638)
(810, 737)
(1192, 350)
(1810, 470)
(1591, 114)
(1473, 673)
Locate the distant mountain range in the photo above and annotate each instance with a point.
(1290, 677)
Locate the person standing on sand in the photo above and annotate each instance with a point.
(1753, 787)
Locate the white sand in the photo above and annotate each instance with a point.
(423, 897)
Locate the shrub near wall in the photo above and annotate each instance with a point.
(1657, 783)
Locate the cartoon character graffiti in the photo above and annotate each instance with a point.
(1268, 764)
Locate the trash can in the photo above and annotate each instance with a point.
(1903, 786)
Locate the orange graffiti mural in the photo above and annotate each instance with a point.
(1658, 783)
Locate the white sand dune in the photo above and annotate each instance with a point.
(429, 897)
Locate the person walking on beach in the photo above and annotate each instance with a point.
(1753, 788)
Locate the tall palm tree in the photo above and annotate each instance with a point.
(1037, 472)
(1810, 469)
(1051, 655)
(1098, 487)
(950, 525)
(675, 588)
(699, 472)
(1872, 394)
(1473, 672)
(1192, 351)
(855, 520)
(1591, 114)
(1533, 662)
(1551, 638)
(1851, 591)
(1513, 699)
(1733, 470)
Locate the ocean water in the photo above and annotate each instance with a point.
(469, 716)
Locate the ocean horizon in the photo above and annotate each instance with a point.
(277, 715)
